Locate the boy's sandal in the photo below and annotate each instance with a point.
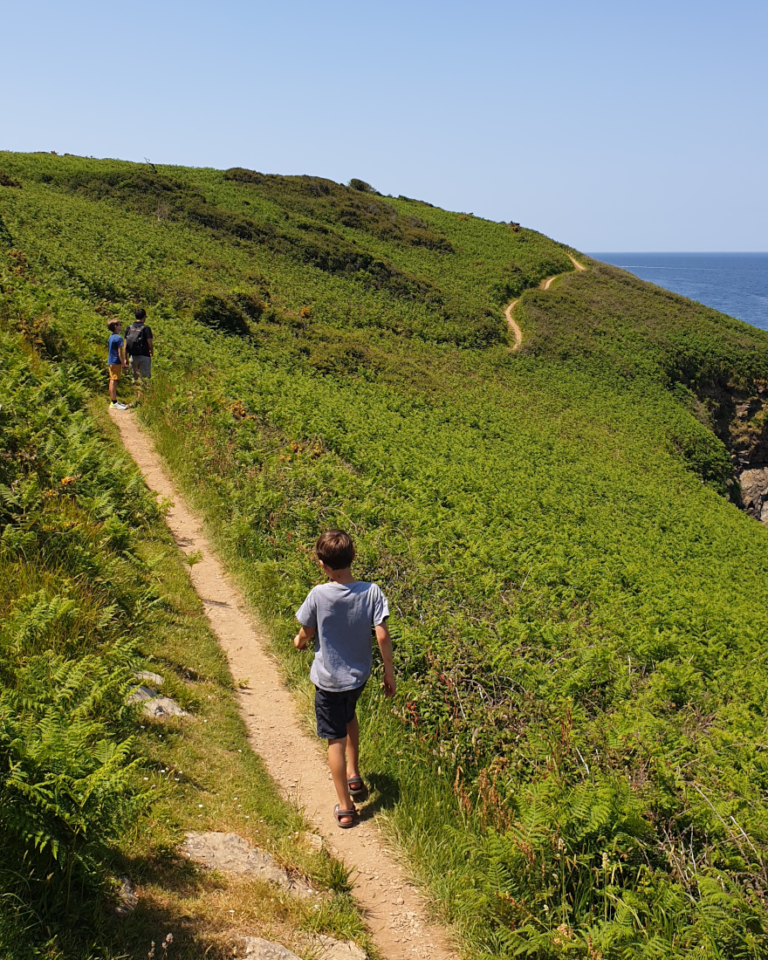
(339, 813)
(356, 786)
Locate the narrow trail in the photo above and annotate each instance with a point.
(544, 285)
(394, 910)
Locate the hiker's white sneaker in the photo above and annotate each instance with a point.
(118, 406)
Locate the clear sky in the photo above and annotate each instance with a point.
(607, 124)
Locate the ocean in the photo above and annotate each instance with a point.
(733, 283)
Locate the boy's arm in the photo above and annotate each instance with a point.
(121, 354)
(150, 347)
(385, 646)
(303, 637)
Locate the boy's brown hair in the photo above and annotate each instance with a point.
(114, 322)
(335, 549)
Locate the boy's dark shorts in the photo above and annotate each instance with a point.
(334, 709)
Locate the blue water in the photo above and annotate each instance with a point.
(733, 283)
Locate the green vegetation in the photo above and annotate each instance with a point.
(92, 588)
(576, 759)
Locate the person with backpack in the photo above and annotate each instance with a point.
(138, 346)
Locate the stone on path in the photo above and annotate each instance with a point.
(230, 853)
(324, 948)
(330, 949)
(258, 949)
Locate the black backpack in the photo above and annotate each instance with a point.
(136, 340)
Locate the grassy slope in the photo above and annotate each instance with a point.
(576, 756)
(91, 588)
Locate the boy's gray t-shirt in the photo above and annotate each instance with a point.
(343, 615)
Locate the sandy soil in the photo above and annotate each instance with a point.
(396, 913)
(579, 266)
(544, 285)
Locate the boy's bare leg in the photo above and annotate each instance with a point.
(353, 749)
(113, 391)
(338, 764)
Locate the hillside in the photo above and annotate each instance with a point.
(93, 591)
(575, 761)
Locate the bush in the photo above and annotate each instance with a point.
(242, 175)
(226, 314)
(362, 186)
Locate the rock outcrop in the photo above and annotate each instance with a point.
(230, 853)
(156, 707)
(323, 948)
(754, 492)
(740, 419)
(257, 948)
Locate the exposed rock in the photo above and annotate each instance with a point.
(322, 948)
(258, 949)
(158, 708)
(230, 853)
(148, 677)
(754, 492)
(155, 706)
(312, 840)
(739, 417)
(127, 898)
(141, 693)
(330, 949)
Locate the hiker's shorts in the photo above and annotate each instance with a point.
(334, 709)
(115, 369)
(141, 367)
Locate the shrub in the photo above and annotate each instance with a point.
(225, 314)
(362, 187)
(242, 175)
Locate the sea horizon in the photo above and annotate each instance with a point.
(733, 283)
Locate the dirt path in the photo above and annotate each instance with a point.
(575, 262)
(395, 912)
(544, 285)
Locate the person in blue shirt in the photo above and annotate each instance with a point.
(116, 361)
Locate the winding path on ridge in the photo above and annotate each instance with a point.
(396, 913)
(544, 285)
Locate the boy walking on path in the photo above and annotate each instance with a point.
(138, 342)
(342, 614)
(116, 361)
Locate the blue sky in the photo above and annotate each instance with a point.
(610, 126)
